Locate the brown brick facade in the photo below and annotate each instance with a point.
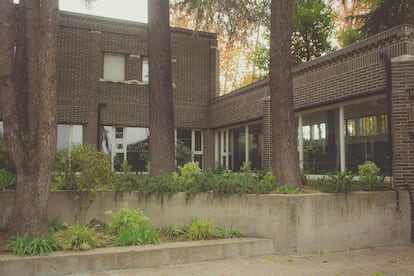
(83, 41)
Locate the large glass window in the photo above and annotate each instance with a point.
(193, 141)
(114, 67)
(232, 145)
(321, 141)
(129, 143)
(369, 138)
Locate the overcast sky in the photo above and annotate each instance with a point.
(135, 10)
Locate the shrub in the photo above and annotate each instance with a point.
(340, 182)
(200, 229)
(135, 236)
(55, 225)
(370, 178)
(182, 154)
(78, 237)
(285, 189)
(231, 233)
(21, 245)
(127, 218)
(187, 174)
(83, 168)
(176, 233)
(266, 184)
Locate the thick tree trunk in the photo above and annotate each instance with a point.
(28, 104)
(161, 110)
(284, 137)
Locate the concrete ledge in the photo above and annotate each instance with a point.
(60, 263)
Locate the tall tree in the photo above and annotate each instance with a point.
(388, 14)
(236, 24)
(28, 103)
(284, 138)
(312, 25)
(161, 109)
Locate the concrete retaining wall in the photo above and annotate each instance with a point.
(296, 223)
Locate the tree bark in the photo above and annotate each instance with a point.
(284, 134)
(28, 103)
(161, 110)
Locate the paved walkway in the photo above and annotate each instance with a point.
(384, 261)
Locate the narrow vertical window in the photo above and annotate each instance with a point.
(145, 70)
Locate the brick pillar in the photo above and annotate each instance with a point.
(267, 135)
(402, 105)
(208, 150)
(402, 120)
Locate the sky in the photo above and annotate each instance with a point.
(134, 10)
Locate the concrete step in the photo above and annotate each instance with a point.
(105, 259)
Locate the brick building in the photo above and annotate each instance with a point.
(352, 105)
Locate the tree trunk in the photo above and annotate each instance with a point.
(161, 110)
(284, 137)
(28, 103)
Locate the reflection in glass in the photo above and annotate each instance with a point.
(321, 141)
(370, 140)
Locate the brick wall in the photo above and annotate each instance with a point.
(83, 40)
(403, 119)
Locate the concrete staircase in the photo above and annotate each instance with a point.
(116, 258)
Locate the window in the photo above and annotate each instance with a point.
(193, 140)
(127, 143)
(145, 70)
(384, 123)
(114, 67)
(350, 127)
(368, 126)
(68, 135)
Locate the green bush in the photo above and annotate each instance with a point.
(370, 178)
(176, 233)
(182, 154)
(136, 236)
(200, 229)
(339, 182)
(83, 168)
(55, 225)
(127, 218)
(285, 189)
(230, 233)
(22, 245)
(78, 237)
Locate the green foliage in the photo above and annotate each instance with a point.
(370, 178)
(187, 174)
(55, 225)
(337, 182)
(231, 233)
(312, 24)
(7, 180)
(136, 236)
(312, 27)
(5, 161)
(285, 189)
(127, 218)
(349, 36)
(127, 180)
(78, 237)
(22, 245)
(182, 154)
(387, 14)
(200, 229)
(267, 183)
(174, 232)
(83, 168)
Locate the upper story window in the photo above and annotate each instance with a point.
(114, 67)
(145, 70)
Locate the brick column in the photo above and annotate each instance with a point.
(402, 120)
